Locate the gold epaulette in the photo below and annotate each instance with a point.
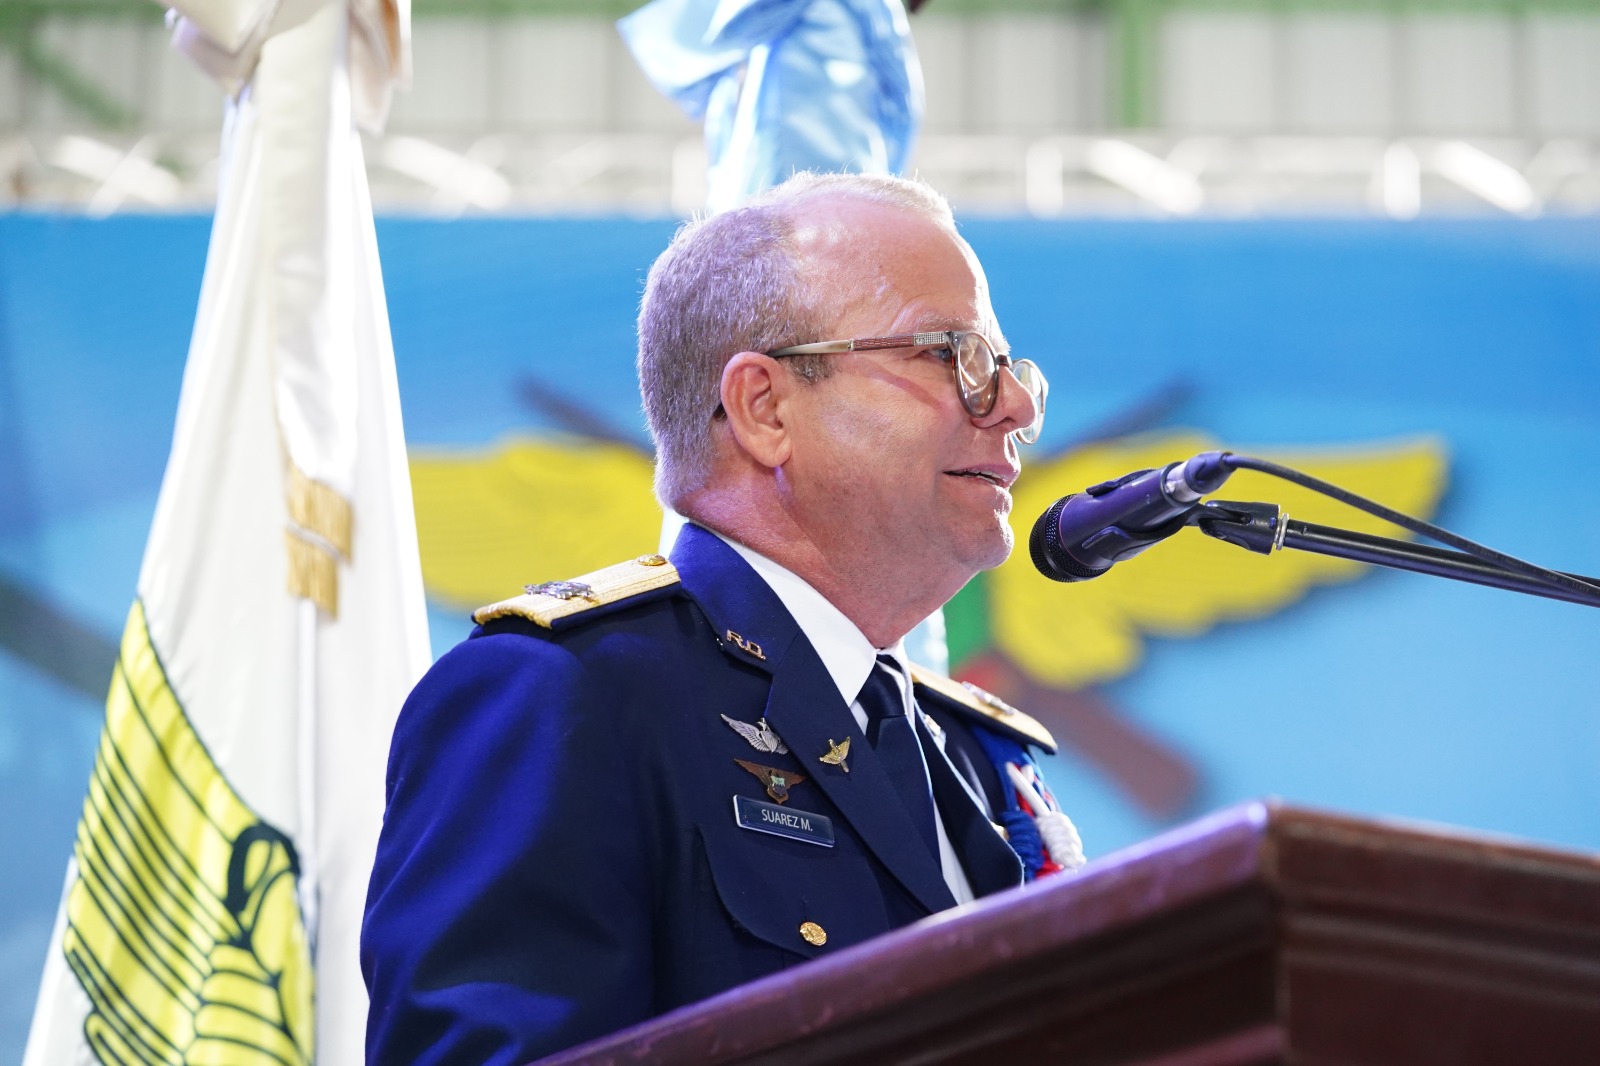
(546, 604)
(987, 705)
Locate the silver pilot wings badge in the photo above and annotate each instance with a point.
(760, 735)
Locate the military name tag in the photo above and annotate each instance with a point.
(782, 821)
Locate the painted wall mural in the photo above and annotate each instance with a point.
(1449, 368)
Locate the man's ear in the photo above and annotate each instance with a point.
(754, 388)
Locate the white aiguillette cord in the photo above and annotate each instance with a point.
(1060, 836)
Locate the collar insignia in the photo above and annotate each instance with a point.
(777, 782)
(837, 753)
(749, 647)
(760, 735)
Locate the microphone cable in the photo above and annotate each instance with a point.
(1415, 525)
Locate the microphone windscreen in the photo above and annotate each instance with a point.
(1050, 556)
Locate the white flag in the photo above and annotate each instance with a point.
(213, 903)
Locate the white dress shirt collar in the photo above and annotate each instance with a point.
(844, 650)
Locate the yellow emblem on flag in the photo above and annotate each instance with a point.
(182, 922)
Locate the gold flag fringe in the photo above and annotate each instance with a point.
(318, 509)
(313, 572)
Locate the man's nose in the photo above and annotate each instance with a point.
(1013, 403)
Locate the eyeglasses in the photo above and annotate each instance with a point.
(972, 360)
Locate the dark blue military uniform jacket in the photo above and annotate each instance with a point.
(560, 855)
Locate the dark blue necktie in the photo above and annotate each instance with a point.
(894, 738)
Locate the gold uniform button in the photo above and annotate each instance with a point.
(651, 560)
(813, 934)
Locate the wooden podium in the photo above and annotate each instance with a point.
(1262, 934)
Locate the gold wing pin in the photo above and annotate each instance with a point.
(837, 753)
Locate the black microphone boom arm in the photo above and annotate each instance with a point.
(1260, 527)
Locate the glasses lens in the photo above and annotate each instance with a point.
(1032, 379)
(977, 376)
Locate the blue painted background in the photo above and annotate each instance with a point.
(1397, 694)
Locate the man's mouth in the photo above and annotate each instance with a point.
(997, 476)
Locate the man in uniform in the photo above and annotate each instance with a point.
(634, 789)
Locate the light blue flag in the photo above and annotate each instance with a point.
(785, 85)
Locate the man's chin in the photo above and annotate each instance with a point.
(995, 548)
(1007, 546)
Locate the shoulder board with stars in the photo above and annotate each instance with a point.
(990, 709)
(551, 603)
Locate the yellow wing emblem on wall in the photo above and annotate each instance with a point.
(526, 511)
(182, 922)
(1068, 636)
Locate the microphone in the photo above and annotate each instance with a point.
(1081, 535)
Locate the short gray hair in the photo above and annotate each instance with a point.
(736, 282)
